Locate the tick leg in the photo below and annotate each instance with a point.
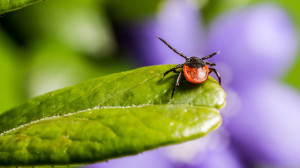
(211, 55)
(174, 69)
(216, 72)
(172, 48)
(176, 84)
(211, 64)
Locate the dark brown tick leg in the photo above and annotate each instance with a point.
(210, 64)
(211, 55)
(174, 69)
(172, 48)
(216, 72)
(176, 84)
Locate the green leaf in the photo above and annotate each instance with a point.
(10, 5)
(108, 117)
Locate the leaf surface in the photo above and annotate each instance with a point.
(108, 117)
(10, 5)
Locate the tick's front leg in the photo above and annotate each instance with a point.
(216, 72)
(210, 64)
(174, 69)
(176, 84)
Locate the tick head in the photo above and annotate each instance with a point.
(195, 62)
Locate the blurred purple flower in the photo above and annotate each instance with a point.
(221, 158)
(257, 45)
(257, 42)
(149, 159)
(266, 131)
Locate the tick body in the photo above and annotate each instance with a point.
(194, 69)
(195, 75)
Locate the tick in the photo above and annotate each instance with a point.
(194, 69)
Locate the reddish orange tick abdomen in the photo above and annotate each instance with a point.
(195, 75)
